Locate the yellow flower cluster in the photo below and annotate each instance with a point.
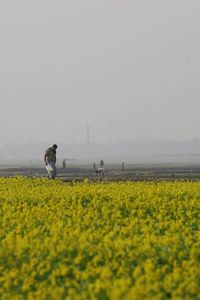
(101, 241)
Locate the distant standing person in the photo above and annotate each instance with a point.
(50, 161)
(64, 163)
(101, 163)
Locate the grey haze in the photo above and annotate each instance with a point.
(126, 67)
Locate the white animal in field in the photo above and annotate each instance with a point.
(100, 172)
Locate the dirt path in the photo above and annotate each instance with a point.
(133, 172)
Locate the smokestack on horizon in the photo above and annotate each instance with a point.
(88, 134)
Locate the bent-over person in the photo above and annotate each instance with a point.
(50, 161)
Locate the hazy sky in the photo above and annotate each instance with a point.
(128, 67)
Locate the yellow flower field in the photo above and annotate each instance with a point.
(99, 240)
